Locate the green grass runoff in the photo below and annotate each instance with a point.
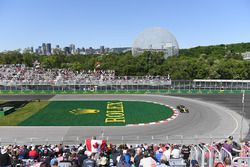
(22, 114)
(59, 113)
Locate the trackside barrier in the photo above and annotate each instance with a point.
(241, 162)
(208, 157)
(226, 153)
(201, 158)
(217, 155)
(157, 139)
(194, 154)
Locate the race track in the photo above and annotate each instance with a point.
(205, 120)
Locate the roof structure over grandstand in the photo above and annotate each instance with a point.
(156, 40)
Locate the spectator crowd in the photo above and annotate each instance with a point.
(110, 155)
(21, 75)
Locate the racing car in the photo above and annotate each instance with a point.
(182, 109)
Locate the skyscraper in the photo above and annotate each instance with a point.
(78, 51)
(72, 48)
(66, 50)
(32, 49)
(40, 51)
(48, 49)
(44, 49)
(102, 50)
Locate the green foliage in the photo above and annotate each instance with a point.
(202, 62)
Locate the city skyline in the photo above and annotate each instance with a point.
(117, 24)
(71, 49)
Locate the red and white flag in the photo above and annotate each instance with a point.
(95, 146)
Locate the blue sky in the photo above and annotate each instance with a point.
(116, 23)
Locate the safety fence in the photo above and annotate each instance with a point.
(174, 86)
(157, 139)
(165, 91)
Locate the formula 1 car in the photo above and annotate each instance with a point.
(182, 109)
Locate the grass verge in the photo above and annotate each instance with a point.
(23, 113)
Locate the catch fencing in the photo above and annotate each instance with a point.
(136, 84)
(157, 139)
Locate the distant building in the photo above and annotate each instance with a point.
(107, 50)
(66, 50)
(38, 50)
(119, 50)
(90, 50)
(72, 48)
(102, 49)
(48, 49)
(44, 49)
(31, 49)
(78, 51)
(246, 55)
(28, 50)
(156, 40)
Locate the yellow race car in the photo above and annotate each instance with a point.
(182, 109)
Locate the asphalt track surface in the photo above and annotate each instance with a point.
(206, 122)
(232, 101)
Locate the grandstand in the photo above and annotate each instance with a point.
(21, 78)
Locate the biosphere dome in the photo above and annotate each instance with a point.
(155, 40)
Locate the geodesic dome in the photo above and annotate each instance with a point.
(155, 40)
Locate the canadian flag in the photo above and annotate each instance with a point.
(95, 146)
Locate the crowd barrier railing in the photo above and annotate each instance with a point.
(217, 155)
(241, 162)
(208, 156)
(226, 153)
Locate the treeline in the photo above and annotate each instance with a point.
(203, 62)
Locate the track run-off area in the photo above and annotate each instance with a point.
(205, 121)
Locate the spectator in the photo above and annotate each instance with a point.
(219, 164)
(89, 162)
(185, 151)
(33, 153)
(163, 162)
(54, 162)
(147, 161)
(23, 152)
(65, 162)
(81, 157)
(5, 159)
(227, 162)
(103, 160)
(175, 153)
(44, 164)
(167, 152)
(158, 155)
(138, 157)
(195, 163)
